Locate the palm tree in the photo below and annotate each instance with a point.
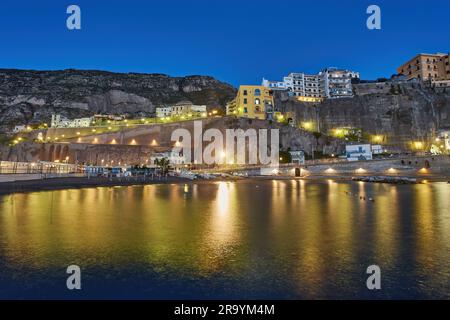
(163, 164)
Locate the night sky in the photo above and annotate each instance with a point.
(235, 41)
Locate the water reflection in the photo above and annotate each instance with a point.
(256, 239)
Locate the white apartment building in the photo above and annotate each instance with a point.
(338, 82)
(175, 158)
(329, 83)
(163, 112)
(19, 128)
(358, 152)
(307, 87)
(59, 121)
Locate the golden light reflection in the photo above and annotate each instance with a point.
(221, 233)
(296, 229)
(424, 216)
(386, 226)
(223, 195)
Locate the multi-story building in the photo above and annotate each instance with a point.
(175, 157)
(424, 66)
(163, 112)
(255, 102)
(329, 83)
(338, 82)
(59, 121)
(183, 108)
(358, 152)
(307, 87)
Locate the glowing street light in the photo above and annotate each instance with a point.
(418, 145)
(377, 138)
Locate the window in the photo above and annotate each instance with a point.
(257, 101)
(245, 100)
(245, 110)
(245, 92)
(257, 92)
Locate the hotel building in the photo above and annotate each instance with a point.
(254, 102)
(338, 82)
(183, 108)
(424, 66)
(329, 83)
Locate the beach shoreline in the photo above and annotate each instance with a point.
(67, 183)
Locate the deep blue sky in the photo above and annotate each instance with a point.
(236, 41)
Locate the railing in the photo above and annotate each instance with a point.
(10, 167)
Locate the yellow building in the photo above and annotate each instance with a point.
(425, 66)
(254, 102)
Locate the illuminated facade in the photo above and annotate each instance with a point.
(424, 66)
(59, 121)
(329, 83)
(183, 108)
(254, 102)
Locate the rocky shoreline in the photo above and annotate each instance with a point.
(387, 179)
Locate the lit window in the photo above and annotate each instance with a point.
(257, 101)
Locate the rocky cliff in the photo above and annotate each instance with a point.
(32, 96)
(400, 113)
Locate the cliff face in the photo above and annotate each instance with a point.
(32, 96)
(399, 113)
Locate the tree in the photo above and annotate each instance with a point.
(163, 164)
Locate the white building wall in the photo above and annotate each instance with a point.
(329, 83)
(162, 112)
(355, 152)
